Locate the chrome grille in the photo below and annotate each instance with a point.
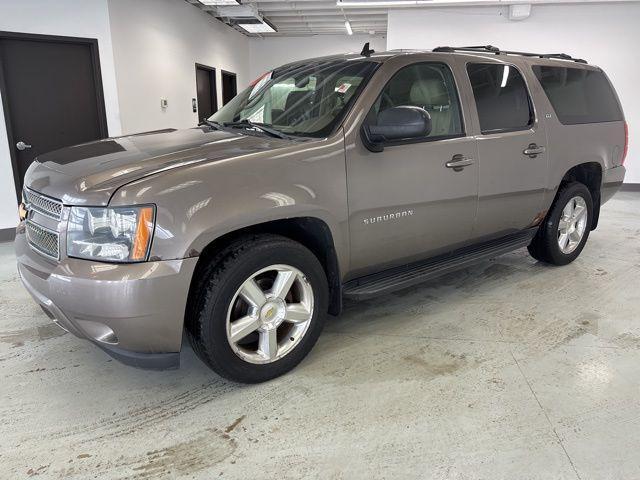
(47, 206)
(43, 240)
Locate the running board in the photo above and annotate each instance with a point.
(407, 275)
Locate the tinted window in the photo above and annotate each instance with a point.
(425, 85)
(579, 95)
(501, 97)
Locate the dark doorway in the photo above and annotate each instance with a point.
(229, 86)
(52, 95)
(207, 93)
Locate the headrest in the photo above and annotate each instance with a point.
(430, 91)
(295, 97)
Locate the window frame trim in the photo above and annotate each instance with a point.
(533, 119)
(377, 146)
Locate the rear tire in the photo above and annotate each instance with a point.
(278, 288)
(565, 230)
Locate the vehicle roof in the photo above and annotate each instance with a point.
(381, 57)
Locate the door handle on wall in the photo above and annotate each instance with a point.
(22, 146)
(458, 162)
(533, 150)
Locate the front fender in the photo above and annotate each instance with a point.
(200, 203)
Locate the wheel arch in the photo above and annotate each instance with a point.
(312, 232)
(590, 175)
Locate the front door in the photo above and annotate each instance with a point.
(512, 151)
(53, 95)
(410, 200)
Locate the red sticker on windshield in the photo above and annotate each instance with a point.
(259, 82)
(343, 88)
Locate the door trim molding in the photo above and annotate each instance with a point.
(92, 43)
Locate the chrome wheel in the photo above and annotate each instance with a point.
(572, 224)
(270, 314)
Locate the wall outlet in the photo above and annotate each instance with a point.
(164, 103)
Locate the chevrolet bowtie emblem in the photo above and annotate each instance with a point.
(22, 211)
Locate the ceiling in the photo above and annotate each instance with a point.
(317, 17)
(314, 17)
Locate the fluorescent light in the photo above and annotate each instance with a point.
(404, 3)
(219, 2)
(257, 27)
(505, 76)
(379, 3)
(347, 25)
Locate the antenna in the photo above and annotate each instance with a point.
(366, 51)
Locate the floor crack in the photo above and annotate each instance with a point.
(546, 416)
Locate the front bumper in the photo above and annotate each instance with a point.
(135, 312)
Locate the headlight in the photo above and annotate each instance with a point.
(120, 234)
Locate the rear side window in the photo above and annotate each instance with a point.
(579, 95)
(502, 99)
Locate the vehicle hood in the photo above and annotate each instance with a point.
(89, 174)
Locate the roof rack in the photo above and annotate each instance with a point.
(497, 51)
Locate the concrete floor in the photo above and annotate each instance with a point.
(508, 370)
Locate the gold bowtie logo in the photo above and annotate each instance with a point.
(269, 313)
(22, 211)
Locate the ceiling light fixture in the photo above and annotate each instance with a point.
(263, 26)
(410, 3)
(347, 25)
(219, 3)
(379, 3)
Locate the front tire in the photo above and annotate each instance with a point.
(258, 308)
(565, 230)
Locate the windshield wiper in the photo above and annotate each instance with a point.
(257, 126)
(214, 125)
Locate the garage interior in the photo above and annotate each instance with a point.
(509, 369)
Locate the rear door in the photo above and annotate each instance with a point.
(405, 202)
(512, 150)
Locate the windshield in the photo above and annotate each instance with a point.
(303, 99)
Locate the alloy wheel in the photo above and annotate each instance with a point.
(270, 314)
(572, 224)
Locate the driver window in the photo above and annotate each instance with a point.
(429, 86)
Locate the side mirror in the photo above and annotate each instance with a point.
(397, 123)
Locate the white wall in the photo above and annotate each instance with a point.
(156, 45)
(74, 18)
(268, 53)
(605, 35)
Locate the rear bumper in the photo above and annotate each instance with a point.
(135, 312)
(611, 182)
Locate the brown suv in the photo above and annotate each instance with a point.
(343, 176)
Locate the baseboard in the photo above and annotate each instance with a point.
(7, 234)
(630, 187)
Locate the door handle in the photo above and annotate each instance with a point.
(22, 146)
(533, 150)
(458, 162)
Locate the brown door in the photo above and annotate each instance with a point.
(229, 86)
(52, 95)
(206, 87)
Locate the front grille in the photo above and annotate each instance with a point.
(47, 206)
(43, 240)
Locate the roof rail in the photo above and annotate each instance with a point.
(497, 51)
